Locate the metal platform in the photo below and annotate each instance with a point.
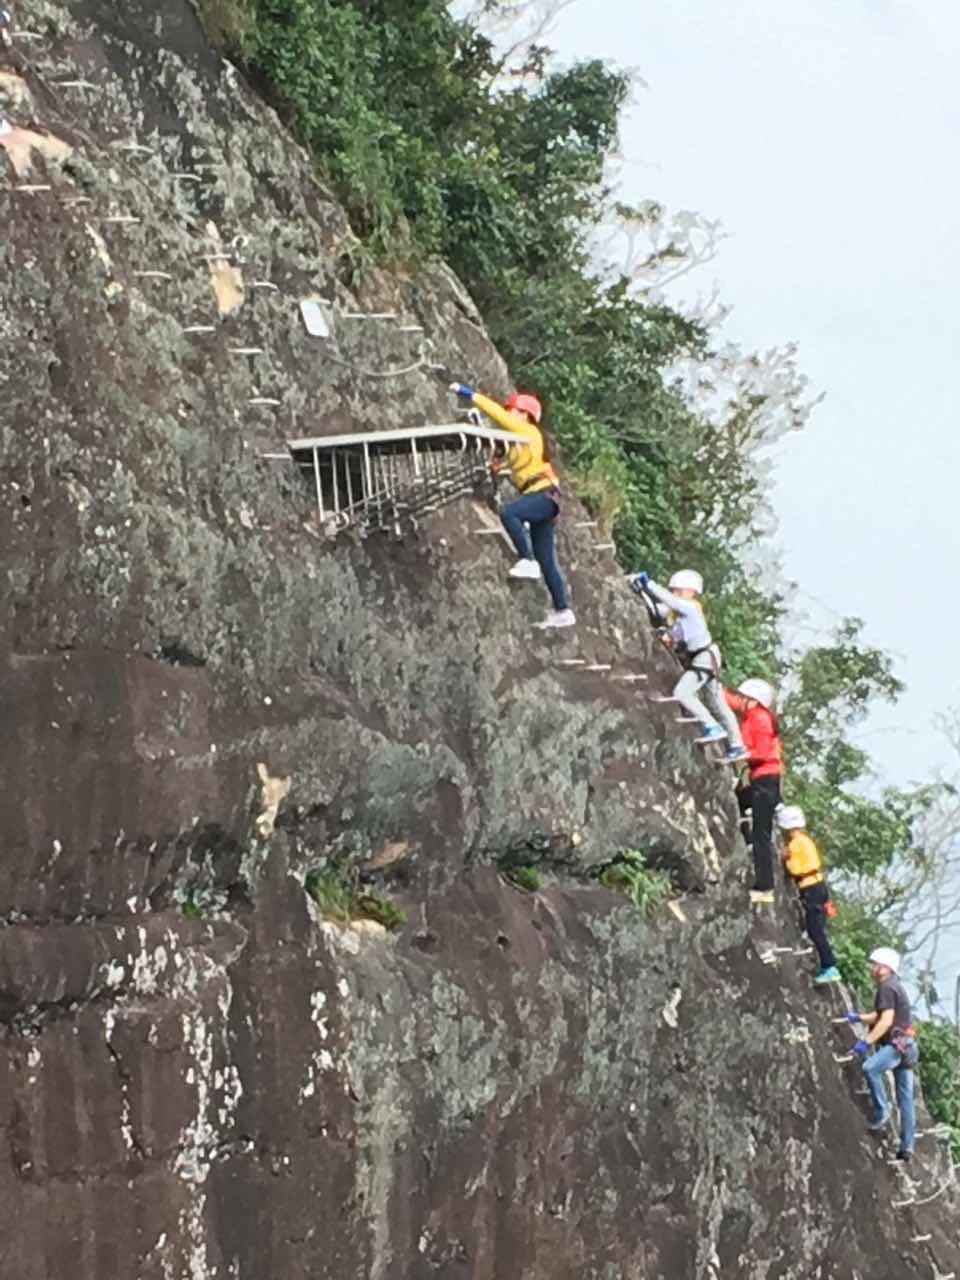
(385, 479)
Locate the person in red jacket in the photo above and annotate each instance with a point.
(753, 705)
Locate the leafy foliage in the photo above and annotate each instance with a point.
(630, 875)
(228, 22)
(339, 896)
(192, 908)
(940, 1075)
(528, 878)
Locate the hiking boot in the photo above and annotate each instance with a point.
(525, 569)
(905, 1156)
(875, 1126)
(762, 897)
(733, 755)
(830, 974)
(712, 733)
(558, 618)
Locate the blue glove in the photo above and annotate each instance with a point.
(853, 1018)
(861, 1048)
(639, 581)
(462, 390)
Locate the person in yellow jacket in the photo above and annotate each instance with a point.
(530, 521)
(803, 863)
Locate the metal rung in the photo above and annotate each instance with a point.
(263, 400)
(152, 275)
(604, 546)
(485, 529)
(69, 202)
(685, 720)
(369, 315)
(600, 666)
(660, 697)
(571, 662)
(74, 84)
(585, 524)
(31, 188)
(918, 1239)
(843, 1057)
(246, 351)
(200, 328)
(26, 35)
(264, 284)
(123, 219)
(186, 177)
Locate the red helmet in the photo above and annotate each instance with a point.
(525, 404)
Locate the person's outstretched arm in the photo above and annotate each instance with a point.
(683, 608)
(504, 418)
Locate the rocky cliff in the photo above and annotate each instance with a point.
(202, 1077)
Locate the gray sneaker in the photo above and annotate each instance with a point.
(558, 618)
(524, 569)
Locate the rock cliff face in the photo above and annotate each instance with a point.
(201, 1077)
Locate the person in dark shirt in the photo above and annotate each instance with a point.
(890, 1029)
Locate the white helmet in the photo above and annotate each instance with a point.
(688, 578)
(886, 956)
(759, 690)
(790, 817)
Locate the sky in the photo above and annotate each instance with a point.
(823, 134)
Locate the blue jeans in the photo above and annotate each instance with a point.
(539, 511)
(887, 1058)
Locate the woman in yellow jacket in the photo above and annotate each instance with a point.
(803, 863)
(530, 520)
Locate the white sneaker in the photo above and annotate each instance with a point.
(525, 569)
(558, 618)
